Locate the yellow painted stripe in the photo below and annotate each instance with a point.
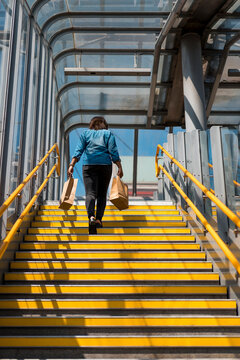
(110, 265)
(121, 223)
(107, 212)
(121, 342)
(112, 207)
(111, 255)
(111, 231)
(117, 304)
(51, 276)
(105, 289)
(145, 216)
(215, 322)
(157, 238)
(88, 246)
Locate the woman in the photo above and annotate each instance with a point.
(100, 150)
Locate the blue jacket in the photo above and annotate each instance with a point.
(99, 148)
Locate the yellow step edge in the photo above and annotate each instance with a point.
(112, 207)
(215, 322)
(137, 342)
(110, 231)
(110, 265)
(120, 224)
(127, 237)
(57, 304)
(89, 246)
(107, 212)
(105, 289)
(141, 216)
(111, 255)
(51, 276)
(121, 342)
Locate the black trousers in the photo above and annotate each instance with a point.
(96, 180)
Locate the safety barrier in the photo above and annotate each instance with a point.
(204, 221)
(13, 196)
(230, 214)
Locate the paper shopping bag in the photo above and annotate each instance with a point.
(119, 194)
(68, 194)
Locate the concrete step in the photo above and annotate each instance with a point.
(111, 255)
(193, 291)
(201, 278)
(98, 306)
(107, 246)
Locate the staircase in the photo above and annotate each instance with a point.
(141, 288)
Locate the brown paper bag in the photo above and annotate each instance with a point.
(119, 194)
(68, 194)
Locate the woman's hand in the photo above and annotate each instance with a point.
(70, 171)
(120, 170)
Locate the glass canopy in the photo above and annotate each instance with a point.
(107, 34)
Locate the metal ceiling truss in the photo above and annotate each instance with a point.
(163, 34)
(220, 71)
(167, 28)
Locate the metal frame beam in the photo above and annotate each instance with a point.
(103, 30)
(108, 84)
(104, 14)
(74, 51)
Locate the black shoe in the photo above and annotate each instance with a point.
(92, 226)
(98, 224)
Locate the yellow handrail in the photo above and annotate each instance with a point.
(15, 193)
(204, 221)
(16, 225)
(207, 192)
(235, 182)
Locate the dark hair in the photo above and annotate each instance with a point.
(98, 123)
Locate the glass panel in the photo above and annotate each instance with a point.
(227, 99)
(58, 25)
(104, 40)
(5, 33)
(218, 41)
(124, 5)
(31, 2)
(103, 61)
(231, 159)
(147, 147)
(106, 22)
(14, 174)
(49, 9)
(63, 43)
(233, 24)
(105, 98)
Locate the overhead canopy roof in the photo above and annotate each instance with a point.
(130, 34)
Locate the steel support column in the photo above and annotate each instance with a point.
(193, 84)
(135, 157)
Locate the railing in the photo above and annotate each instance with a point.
(212, 197)
(13, 196)
(230, 214)
(235, 182)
